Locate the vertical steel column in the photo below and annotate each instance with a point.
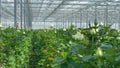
(95, 11)
(106, 14)
(59, 22)
(15, 11)
(21, 13)
(87, 19)
(63, 22)
(80, 18)
(75, 18)
(72, 18)
(24, 15)
(119, 19)
(0, 12)
(68, 22)
(27, 13)
(56, 24)
(44, 24)
(75, 21)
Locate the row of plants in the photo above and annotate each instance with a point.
(14, 48)
(93, 47)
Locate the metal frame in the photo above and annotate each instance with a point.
(60, 11)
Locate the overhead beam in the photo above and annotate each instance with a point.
(57, 3)
(54, 10)
(40, 7)
(87, 6)
(7, 11)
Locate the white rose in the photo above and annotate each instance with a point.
(45, 31)
(101, 23)
(64, 29)
(78, 36)
(97, 30)
(92, 31)
(99, 52)
(70, 42)
(118, 30)
(118, 38)
(73, 28)
(80, 55)
(58, 51)
(23, 32)
(18, 30)
(55, 31)
(0, 25)
(51, 25)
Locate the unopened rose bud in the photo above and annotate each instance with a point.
(64, 29)
(99, 52)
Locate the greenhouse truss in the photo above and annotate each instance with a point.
(61, 13)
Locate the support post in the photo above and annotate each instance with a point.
(15, 11)
(0, 11)
(21, 13)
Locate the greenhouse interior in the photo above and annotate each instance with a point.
(59, 33)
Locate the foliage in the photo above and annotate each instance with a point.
(93, 47)
(14, 48)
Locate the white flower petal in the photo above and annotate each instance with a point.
(64, 29)
(78, 36)
(118, 38)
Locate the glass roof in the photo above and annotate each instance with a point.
(57, 10)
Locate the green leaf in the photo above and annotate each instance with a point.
(86, 58)
(64, 54)
(59, 60)
(64, 65)
(117, 58)
(110, 51)
(105, 45)
(71, 62)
